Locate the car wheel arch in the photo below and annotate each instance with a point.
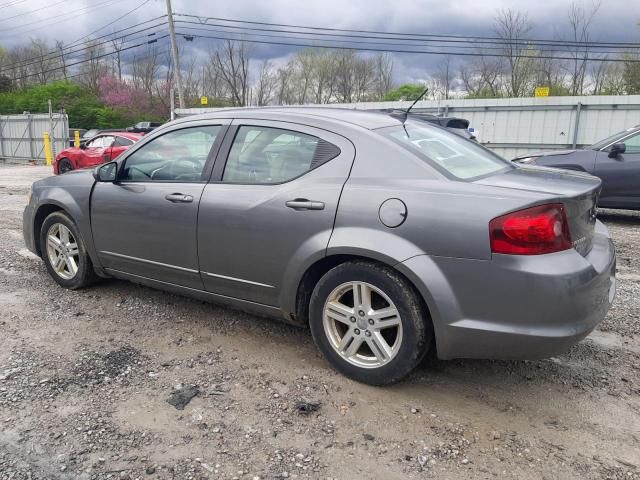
(50, 206)
(39, 217)
(320, 267)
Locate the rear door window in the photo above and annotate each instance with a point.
(266, 155)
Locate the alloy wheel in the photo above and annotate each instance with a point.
(63, 251)
(362, 324)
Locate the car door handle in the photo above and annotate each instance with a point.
(304, 204)
(179, 198)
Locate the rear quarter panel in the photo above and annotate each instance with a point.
(444, 217)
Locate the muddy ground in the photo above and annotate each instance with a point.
(85, 378)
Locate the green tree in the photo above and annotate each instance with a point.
(407, 92)
(85, 110)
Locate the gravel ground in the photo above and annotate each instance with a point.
(86, 378)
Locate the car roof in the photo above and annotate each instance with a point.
(362, 118)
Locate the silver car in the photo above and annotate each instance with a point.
(388, 240)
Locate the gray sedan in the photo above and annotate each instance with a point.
(616, 160)
(388, 240)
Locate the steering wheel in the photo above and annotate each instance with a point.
(172, 170)
(139, 171)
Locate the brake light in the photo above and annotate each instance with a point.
(532, 231)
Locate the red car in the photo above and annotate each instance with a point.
(100, 149)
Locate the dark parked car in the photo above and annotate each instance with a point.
(387, 239)
(143, 127)
(459, 126)
(89, 134)
(616, 160)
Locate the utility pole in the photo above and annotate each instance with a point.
(174, 53)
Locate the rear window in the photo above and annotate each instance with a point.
(451, 154)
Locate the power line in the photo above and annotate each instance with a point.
(523, 41)
(114, 21)
(80, 12)
(31, 11)
(56, 53)
(81, 74)
(396, 50)
(97, 57)
(430, 43)
(11, 3)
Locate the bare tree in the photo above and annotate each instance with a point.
(512, 27)
(191, 78)
(383, 75)
(267, 80)
(598, 74)
(117, 48)
(43, 65)
(304, 66)
(63, 63)
(232, 61)
(444, 76)
(481, 77)
(93, 68)
(613, 82)
(326, 63)
(144, 69)
(580, 19)
(284, 95)
(363, 72)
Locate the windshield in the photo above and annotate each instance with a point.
(452, 154)
(611, 139)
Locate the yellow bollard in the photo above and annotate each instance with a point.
(47, 148)
(76, 142)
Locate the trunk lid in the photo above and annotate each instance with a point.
(577, 191)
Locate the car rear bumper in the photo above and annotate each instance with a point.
(516, 307)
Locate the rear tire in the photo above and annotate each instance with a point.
(369, 322)
(64, 253)
(64, 166)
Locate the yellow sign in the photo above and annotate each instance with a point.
(541, 92)
(76, 141)
(204, 100)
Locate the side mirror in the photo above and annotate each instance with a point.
(616, 149)
(106, 173)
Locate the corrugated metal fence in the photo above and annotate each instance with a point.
(516, 126)
(21, 136)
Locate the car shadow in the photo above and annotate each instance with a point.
(568, 371)
(621, 217)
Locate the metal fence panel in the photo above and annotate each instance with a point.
(21, 136)
(518, 126)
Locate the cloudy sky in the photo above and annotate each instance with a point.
(70, 20)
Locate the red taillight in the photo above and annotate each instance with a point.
(532, 231)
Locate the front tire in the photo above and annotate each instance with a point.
(369, 322)
(64, 253)
(64, 166)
